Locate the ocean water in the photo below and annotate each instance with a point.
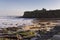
(8, 21)
(14, 22)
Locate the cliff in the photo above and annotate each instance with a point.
(42, 14)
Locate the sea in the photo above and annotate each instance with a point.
(11, 21)
(8, 21)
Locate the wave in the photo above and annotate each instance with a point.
(7, 17)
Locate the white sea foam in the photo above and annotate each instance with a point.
(13, 22)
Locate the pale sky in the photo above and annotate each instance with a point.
(17, 7)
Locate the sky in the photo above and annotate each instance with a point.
(17, 7)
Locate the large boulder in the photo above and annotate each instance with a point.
(56, 37)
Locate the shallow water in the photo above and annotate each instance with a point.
(11, 22)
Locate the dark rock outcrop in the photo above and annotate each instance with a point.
(42, 14)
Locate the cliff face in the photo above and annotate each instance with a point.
(42, 14)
